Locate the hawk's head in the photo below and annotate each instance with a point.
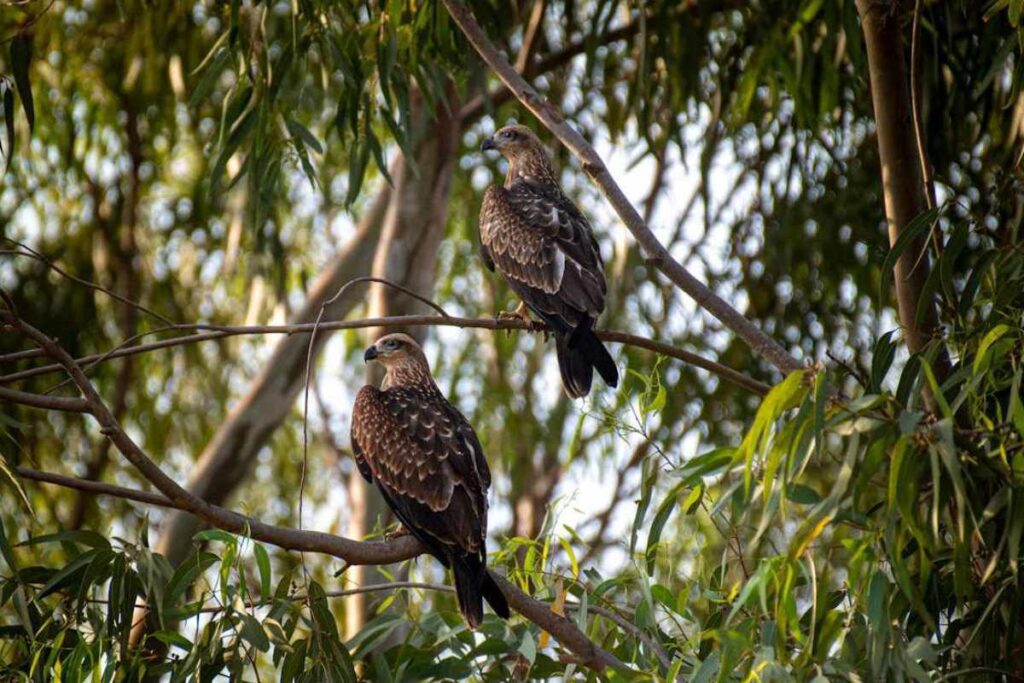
(513, 141)
(402, 358)
(526, 155)
(395, 348)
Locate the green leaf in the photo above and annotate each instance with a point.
(300, 131)
(214, 535)
(660, 518)
(252, 632)
(185, 575)
(263, 562)
(8, 96)
(802, 494)
(950, 252)
(21, 57)
(881, 361)
(783, 396)
(907, 236)
(84, 537)
(7, 474)
(173, 639)
(66, 575)
(987, 341)
(8, 552)
(974, 281)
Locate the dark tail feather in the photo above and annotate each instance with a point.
(577, 373)
(472, 585)
(469, 574)
(494, 597)
(579, 354)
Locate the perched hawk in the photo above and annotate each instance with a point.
(428, 464)
(540, 242)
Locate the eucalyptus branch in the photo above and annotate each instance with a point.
(211, 332)
(364, 552)
(594, 166)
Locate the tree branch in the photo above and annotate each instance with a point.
(902, 185)
(378, 552)
(212, 332)
(58, 403)
(594, 166)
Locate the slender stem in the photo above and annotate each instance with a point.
(594, 166)
(58, 403)
(212, 332)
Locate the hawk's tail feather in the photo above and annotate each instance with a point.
(468, 572)
(472, 585)
(579, 354)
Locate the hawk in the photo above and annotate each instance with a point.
(534, 235)
(429, 466)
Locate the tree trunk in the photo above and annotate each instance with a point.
(407, 255)
(901, 172)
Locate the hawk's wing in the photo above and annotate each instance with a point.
(427, 461)
(545, 248)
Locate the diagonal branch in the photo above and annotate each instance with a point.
(759, 342)
(362, 552)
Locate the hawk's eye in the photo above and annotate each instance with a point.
(508, 134)
(392, 344)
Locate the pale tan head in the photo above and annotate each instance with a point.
(527, 157)
(402, 358)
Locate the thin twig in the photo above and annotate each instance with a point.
(759, 342)
(33, 254)
(915, 113)
(212, 332)
(59, 403)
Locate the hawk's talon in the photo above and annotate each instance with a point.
(397, 532)
(521, 313)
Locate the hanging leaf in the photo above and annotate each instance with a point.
(21, 57)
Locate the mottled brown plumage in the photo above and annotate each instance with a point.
(534, 235)
(428, 464)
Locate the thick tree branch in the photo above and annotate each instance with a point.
(362, 552)
(594, 166)
(211, 332)
(903, 187)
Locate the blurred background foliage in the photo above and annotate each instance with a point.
(208, 160)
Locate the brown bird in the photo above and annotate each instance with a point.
(543, 246)
(428, 464)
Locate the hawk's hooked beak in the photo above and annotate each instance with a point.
(488, 145)
(370, 354)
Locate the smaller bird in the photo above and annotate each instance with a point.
(534, 235)
(429, 466)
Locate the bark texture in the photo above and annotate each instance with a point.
(901, 173)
